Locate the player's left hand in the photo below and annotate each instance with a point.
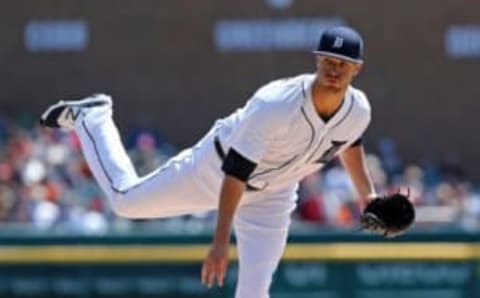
(215, 265)
(390, 215)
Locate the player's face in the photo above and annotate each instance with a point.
(336, 73)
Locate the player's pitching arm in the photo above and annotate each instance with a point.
(237, 169)
(216, 262)
(354, 161)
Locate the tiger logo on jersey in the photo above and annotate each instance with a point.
(331, 152)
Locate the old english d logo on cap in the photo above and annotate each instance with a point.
(338, 43)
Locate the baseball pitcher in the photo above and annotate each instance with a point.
(249, 164)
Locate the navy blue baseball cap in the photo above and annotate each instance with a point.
(341, 42)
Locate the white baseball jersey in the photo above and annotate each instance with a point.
(280, 130)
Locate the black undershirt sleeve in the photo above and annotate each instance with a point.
(358, 142)
(238, 166)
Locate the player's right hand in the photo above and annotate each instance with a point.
(215, 265)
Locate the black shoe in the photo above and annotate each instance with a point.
(64, 113)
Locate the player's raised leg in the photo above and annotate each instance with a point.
(99, 138)
(170, 190)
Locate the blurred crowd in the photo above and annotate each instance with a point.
(45, 183)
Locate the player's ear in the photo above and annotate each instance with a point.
(357, 68)
(318, 61)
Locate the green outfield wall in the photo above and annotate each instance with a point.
(326, 266)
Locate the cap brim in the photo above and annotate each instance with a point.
(343, 57)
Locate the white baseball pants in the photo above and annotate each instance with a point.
(189, 182)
